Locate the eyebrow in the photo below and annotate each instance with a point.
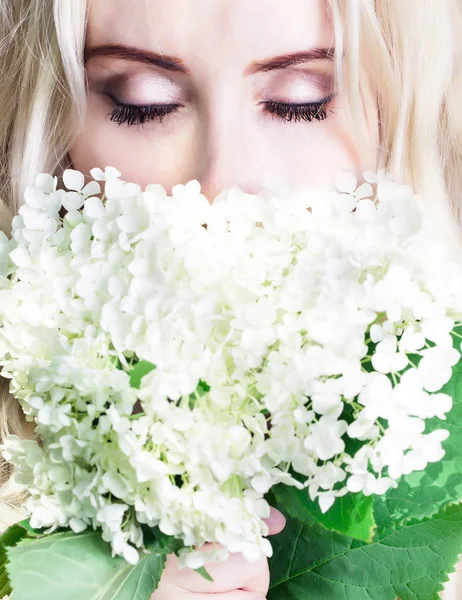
(172, 63)
(289, 60)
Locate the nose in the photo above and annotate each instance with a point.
(230, 155)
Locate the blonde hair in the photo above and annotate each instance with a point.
(408, 52)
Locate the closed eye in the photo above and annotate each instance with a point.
(133, 114)
(299, 112)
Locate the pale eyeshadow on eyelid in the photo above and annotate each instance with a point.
(148, 90)
(295, 85)
(136, 86)
(298, 91)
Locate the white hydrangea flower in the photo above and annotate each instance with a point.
(279, 328)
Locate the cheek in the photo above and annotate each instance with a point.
(332, 149)
(268, 153)
(148, 154)
(314, 152)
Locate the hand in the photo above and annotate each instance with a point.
(235, 579)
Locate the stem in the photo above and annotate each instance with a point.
(136, 416)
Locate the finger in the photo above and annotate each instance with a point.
(236, 595)
(173, 593)
(234, 574)
(276, 521)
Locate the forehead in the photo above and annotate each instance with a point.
(204, 31)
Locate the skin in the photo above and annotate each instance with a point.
(222, 135)
(235, 579)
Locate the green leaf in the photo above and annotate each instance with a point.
(139, 583)
(12, 536)
(141, 368)
(30, 531)
(412, 563)
(79, 567)
(158, 542)
(202, 388)
(9, 538)
(423, 493)
(350, 515)
(204, 573)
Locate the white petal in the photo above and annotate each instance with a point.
(21, 257)
(376, 333)
(128, 223)
(77, 525)
(131, 554)
(114, 188)
(370, 176)
(73, 180)
(194, 560)
(45, 183)
(381, 486)
(131, 190)
(94, 208)
(92, 189)
(346, 182)
(193, 186)
(443, 404)
(73, 201)
(98, 174)
(355, 483)
(364, 191)
(112, 173)
(325, 502)
(366, 210)
(35, 198)
(345, 203)
(261, 483)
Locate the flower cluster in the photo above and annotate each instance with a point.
(302, 340)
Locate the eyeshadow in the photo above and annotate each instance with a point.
(147, 90)
(297, 85)
(141, 88)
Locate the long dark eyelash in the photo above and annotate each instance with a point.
(137, 115)
(299, 112)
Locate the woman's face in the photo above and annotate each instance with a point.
(229, 92)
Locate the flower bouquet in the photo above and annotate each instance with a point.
(188, 364)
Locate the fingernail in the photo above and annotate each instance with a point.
(276, 520)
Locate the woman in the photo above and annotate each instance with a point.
(266, 95)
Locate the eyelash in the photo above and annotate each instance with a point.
(299, 112)
(138, 115)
